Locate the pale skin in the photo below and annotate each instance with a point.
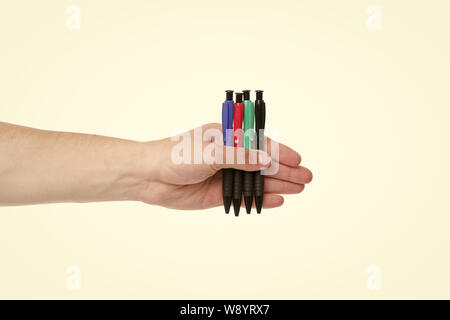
(39, 166)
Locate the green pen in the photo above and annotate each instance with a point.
(249, 133)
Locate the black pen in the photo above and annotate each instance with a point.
(260, 120)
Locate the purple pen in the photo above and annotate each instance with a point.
(228, 140)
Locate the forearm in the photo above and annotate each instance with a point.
(38, 166)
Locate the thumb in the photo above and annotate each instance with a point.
(242, 159)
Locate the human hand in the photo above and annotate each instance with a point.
(199, 186)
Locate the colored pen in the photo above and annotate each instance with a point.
(227, 131)
(249, 122)
(238, 142)
(260, 120)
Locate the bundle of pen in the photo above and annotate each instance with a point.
(236, 182)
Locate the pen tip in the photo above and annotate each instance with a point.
(227, 204)
(248, 203)
(258, 203)
(237, 206)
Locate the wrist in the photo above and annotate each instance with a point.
(140, 176)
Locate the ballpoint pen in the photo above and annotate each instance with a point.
(260, 119)
(227, 131)
(238, 142)
(249, 122)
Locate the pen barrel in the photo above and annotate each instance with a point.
(227, 122)
(258, 190)
(248, 191)
(259, 184)
(237, 184)
(227, 183)
(238, 118)
(248, 183)
(249, 123)
(260, 122)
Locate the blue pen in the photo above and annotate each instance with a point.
(228, 140)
